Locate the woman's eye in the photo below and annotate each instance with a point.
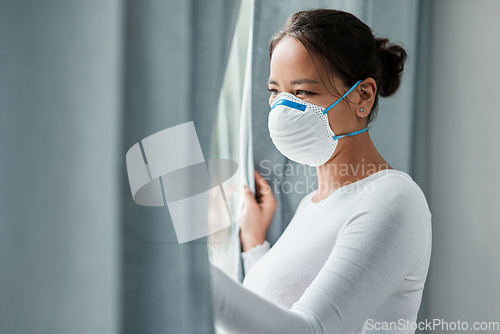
(303, 92)
(273, 91)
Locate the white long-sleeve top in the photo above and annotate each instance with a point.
(355, 262)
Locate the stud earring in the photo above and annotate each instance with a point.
(362, 109)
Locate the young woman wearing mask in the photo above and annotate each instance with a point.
(355, 256)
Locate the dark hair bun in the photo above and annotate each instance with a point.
(392, 58)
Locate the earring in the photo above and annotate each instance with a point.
(362, 109)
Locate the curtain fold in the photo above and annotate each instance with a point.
(60, 205)
(230, 141)
(176, 53)
(80, 83)
(420, 145)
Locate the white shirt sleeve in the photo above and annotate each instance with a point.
(376, 248)
(253, 254)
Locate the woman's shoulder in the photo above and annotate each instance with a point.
(382, 189)
(388, 202)
(389, 180)
(390, 187)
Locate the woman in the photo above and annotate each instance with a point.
(355, 256)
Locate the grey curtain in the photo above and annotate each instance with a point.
(80, 83)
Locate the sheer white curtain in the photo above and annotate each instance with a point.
(231, 140)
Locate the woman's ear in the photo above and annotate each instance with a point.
(367, 91)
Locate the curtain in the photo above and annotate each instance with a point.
(80, 83)
(230, 141)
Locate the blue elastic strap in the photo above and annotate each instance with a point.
(350, 134)
(291, 104)
(342, 97)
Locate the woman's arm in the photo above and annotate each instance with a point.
(376, 249)
(239, 310)
(252, 255)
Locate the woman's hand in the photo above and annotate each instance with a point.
(258, 212)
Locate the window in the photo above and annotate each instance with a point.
(223, 245)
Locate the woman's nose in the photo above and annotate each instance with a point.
(271, 100)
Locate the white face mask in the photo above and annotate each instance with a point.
(300, 130)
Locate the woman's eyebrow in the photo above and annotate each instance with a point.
(302, 81)
(294, 82)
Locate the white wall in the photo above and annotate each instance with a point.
(464, 187)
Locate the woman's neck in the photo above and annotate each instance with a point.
(355, 158)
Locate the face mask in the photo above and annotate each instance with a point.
(300, 130)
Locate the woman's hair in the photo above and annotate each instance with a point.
(346, 46)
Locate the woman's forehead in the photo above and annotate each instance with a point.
(291, 61)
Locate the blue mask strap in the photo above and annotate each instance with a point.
(350, 134)
(342, 97)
